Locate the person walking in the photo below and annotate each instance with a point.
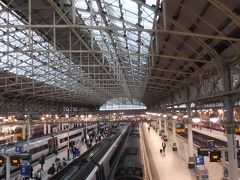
(42, 161)
(164, 146)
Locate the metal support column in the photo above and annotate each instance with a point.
(29, 132)
(174, 147)
(73, 12)
(231, 138)
(165, 126)
(68, 135)
(164, 3)
(159, 123)
(190, 139)
(8, 167)
(24, 132)
(45, 128)
(49, 129)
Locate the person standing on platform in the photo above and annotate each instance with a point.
(78, 153)
(74, 151)
(42, 161)
(31, 171)
(164, 146)
(64, 163)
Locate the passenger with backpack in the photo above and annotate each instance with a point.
(52, 170)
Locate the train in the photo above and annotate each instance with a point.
(219, 126)
(180, 127)
(98, 161)
(51, 143)
(130, 164)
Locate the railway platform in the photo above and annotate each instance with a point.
(173, 164)
(49, 160)
(164, 166)
(214, 133)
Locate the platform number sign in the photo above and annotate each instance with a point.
(19, 149)
(211, 144)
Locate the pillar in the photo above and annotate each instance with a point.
(190, 139)
(45, 128)
(231, 137)
(159, 123)
(165, 126)
(231, 141)
(8, 166)
(49, 129)
(59, 127)
(24, 131)
(174, 147)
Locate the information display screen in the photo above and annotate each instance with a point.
(215, 156)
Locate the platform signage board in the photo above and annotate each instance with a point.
(199, 160)
(25, 170)
(19, 149)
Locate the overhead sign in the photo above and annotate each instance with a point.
(202, 151)
(211, 144)
(19, 149)
(199, 160)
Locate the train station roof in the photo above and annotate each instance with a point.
(87, 52)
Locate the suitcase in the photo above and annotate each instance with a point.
(160, 150)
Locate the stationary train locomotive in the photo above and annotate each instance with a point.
(180, 127)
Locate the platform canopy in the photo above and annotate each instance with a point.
(87, 52)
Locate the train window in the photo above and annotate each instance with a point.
(3, 141)
(75, 135)
(70, 137)
(38, 149)
(63, 140)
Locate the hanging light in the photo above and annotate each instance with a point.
(213, 118)
(164, 115)
(185, 116)
(175, 117)
(196, 118)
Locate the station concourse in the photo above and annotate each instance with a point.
(115, 79)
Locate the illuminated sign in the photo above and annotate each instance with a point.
(215, 156)
(15, 160)
(2, 161)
